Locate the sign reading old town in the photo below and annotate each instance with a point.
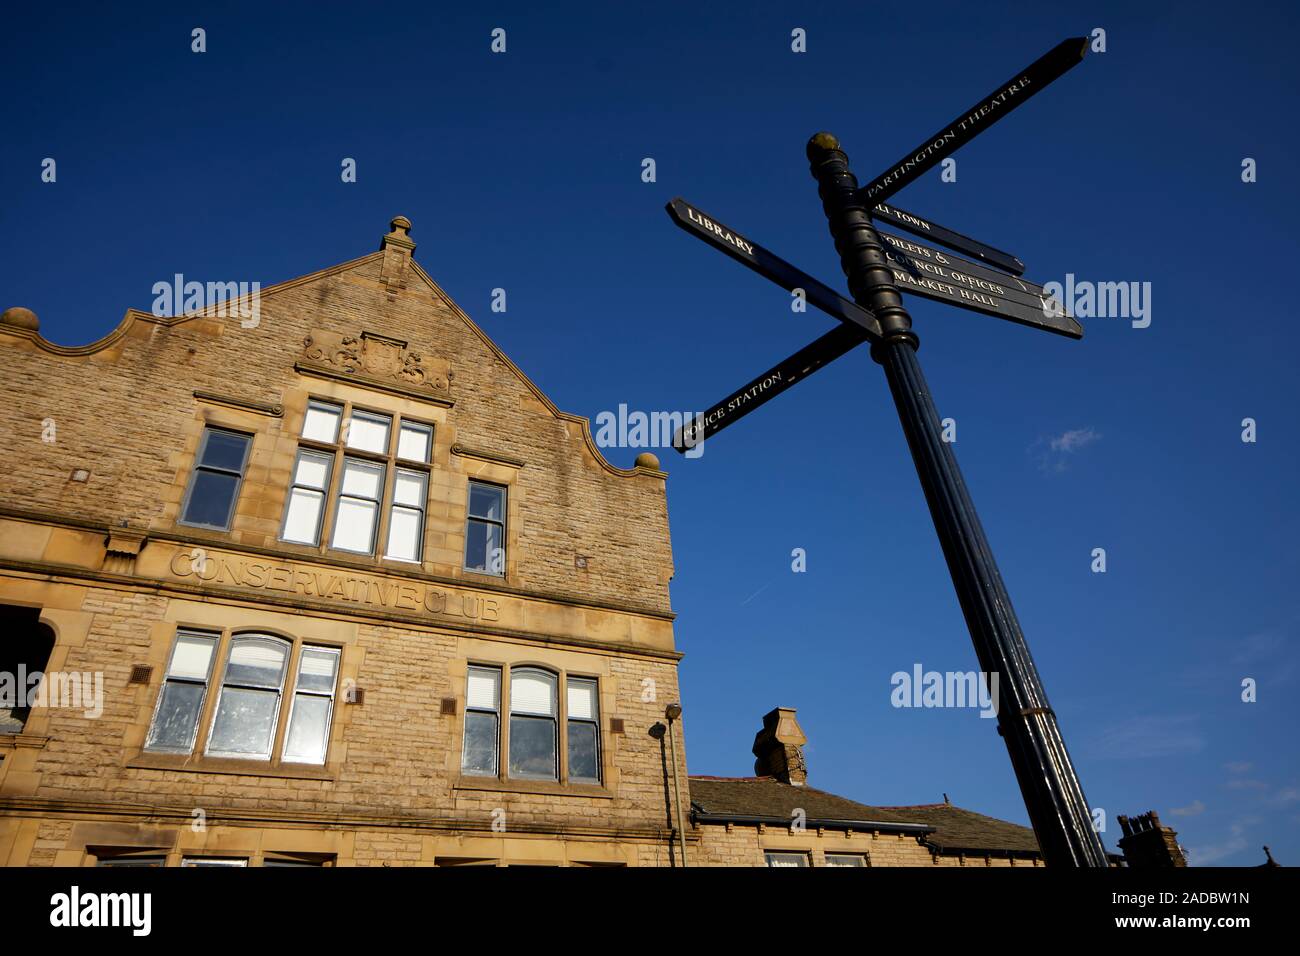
(920, 226)
(880, 267)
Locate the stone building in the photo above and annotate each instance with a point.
(776, 819)
(316, 576)
(320, 576)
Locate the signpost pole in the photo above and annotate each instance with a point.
(1053, 796)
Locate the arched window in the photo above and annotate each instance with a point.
(533, 731)
(25, 646)
(248, 706)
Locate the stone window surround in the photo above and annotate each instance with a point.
(230, 415)
(338, 450)
(197, 467)
(198, 761)
(503, 782)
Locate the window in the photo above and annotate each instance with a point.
(265, 689)
(846, 859)
(214, 486)
(485, 529)
(25, 646)
(302, 517)
(368, 431)
(313, 703)
(358, 506)
(482, 721)
(352, 451)
(322, 422)
(415, 442)
(786, 859)
(533, 735)
(584, 731)
(406, 518)
(298, 860)
(213, 861)
(249, 702)
(185, 687)
(145, 861)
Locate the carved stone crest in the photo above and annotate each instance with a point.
(379, 358)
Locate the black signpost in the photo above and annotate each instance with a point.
(877, 267)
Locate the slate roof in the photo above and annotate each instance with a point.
(954, 829)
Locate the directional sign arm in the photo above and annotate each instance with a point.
(929, 229)
(1050, 66)
(771, 266)
(944, 277)
(770, 384)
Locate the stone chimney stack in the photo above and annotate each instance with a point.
(779, 748)
(1147, 844)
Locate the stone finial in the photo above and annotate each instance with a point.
(20, 318)
(647, 460)
(399, 235)
(779, 748)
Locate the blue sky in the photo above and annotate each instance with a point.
(523, 171)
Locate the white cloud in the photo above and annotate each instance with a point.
(1054, 452)
(1211, 853)
(1147, 737)
(1074, 439)
(1195, 808)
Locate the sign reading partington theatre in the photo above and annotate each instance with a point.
(376, 593)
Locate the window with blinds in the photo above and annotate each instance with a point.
(584, 731)
(534, 740)
(482, 721)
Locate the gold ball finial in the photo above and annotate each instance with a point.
(20, 318)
